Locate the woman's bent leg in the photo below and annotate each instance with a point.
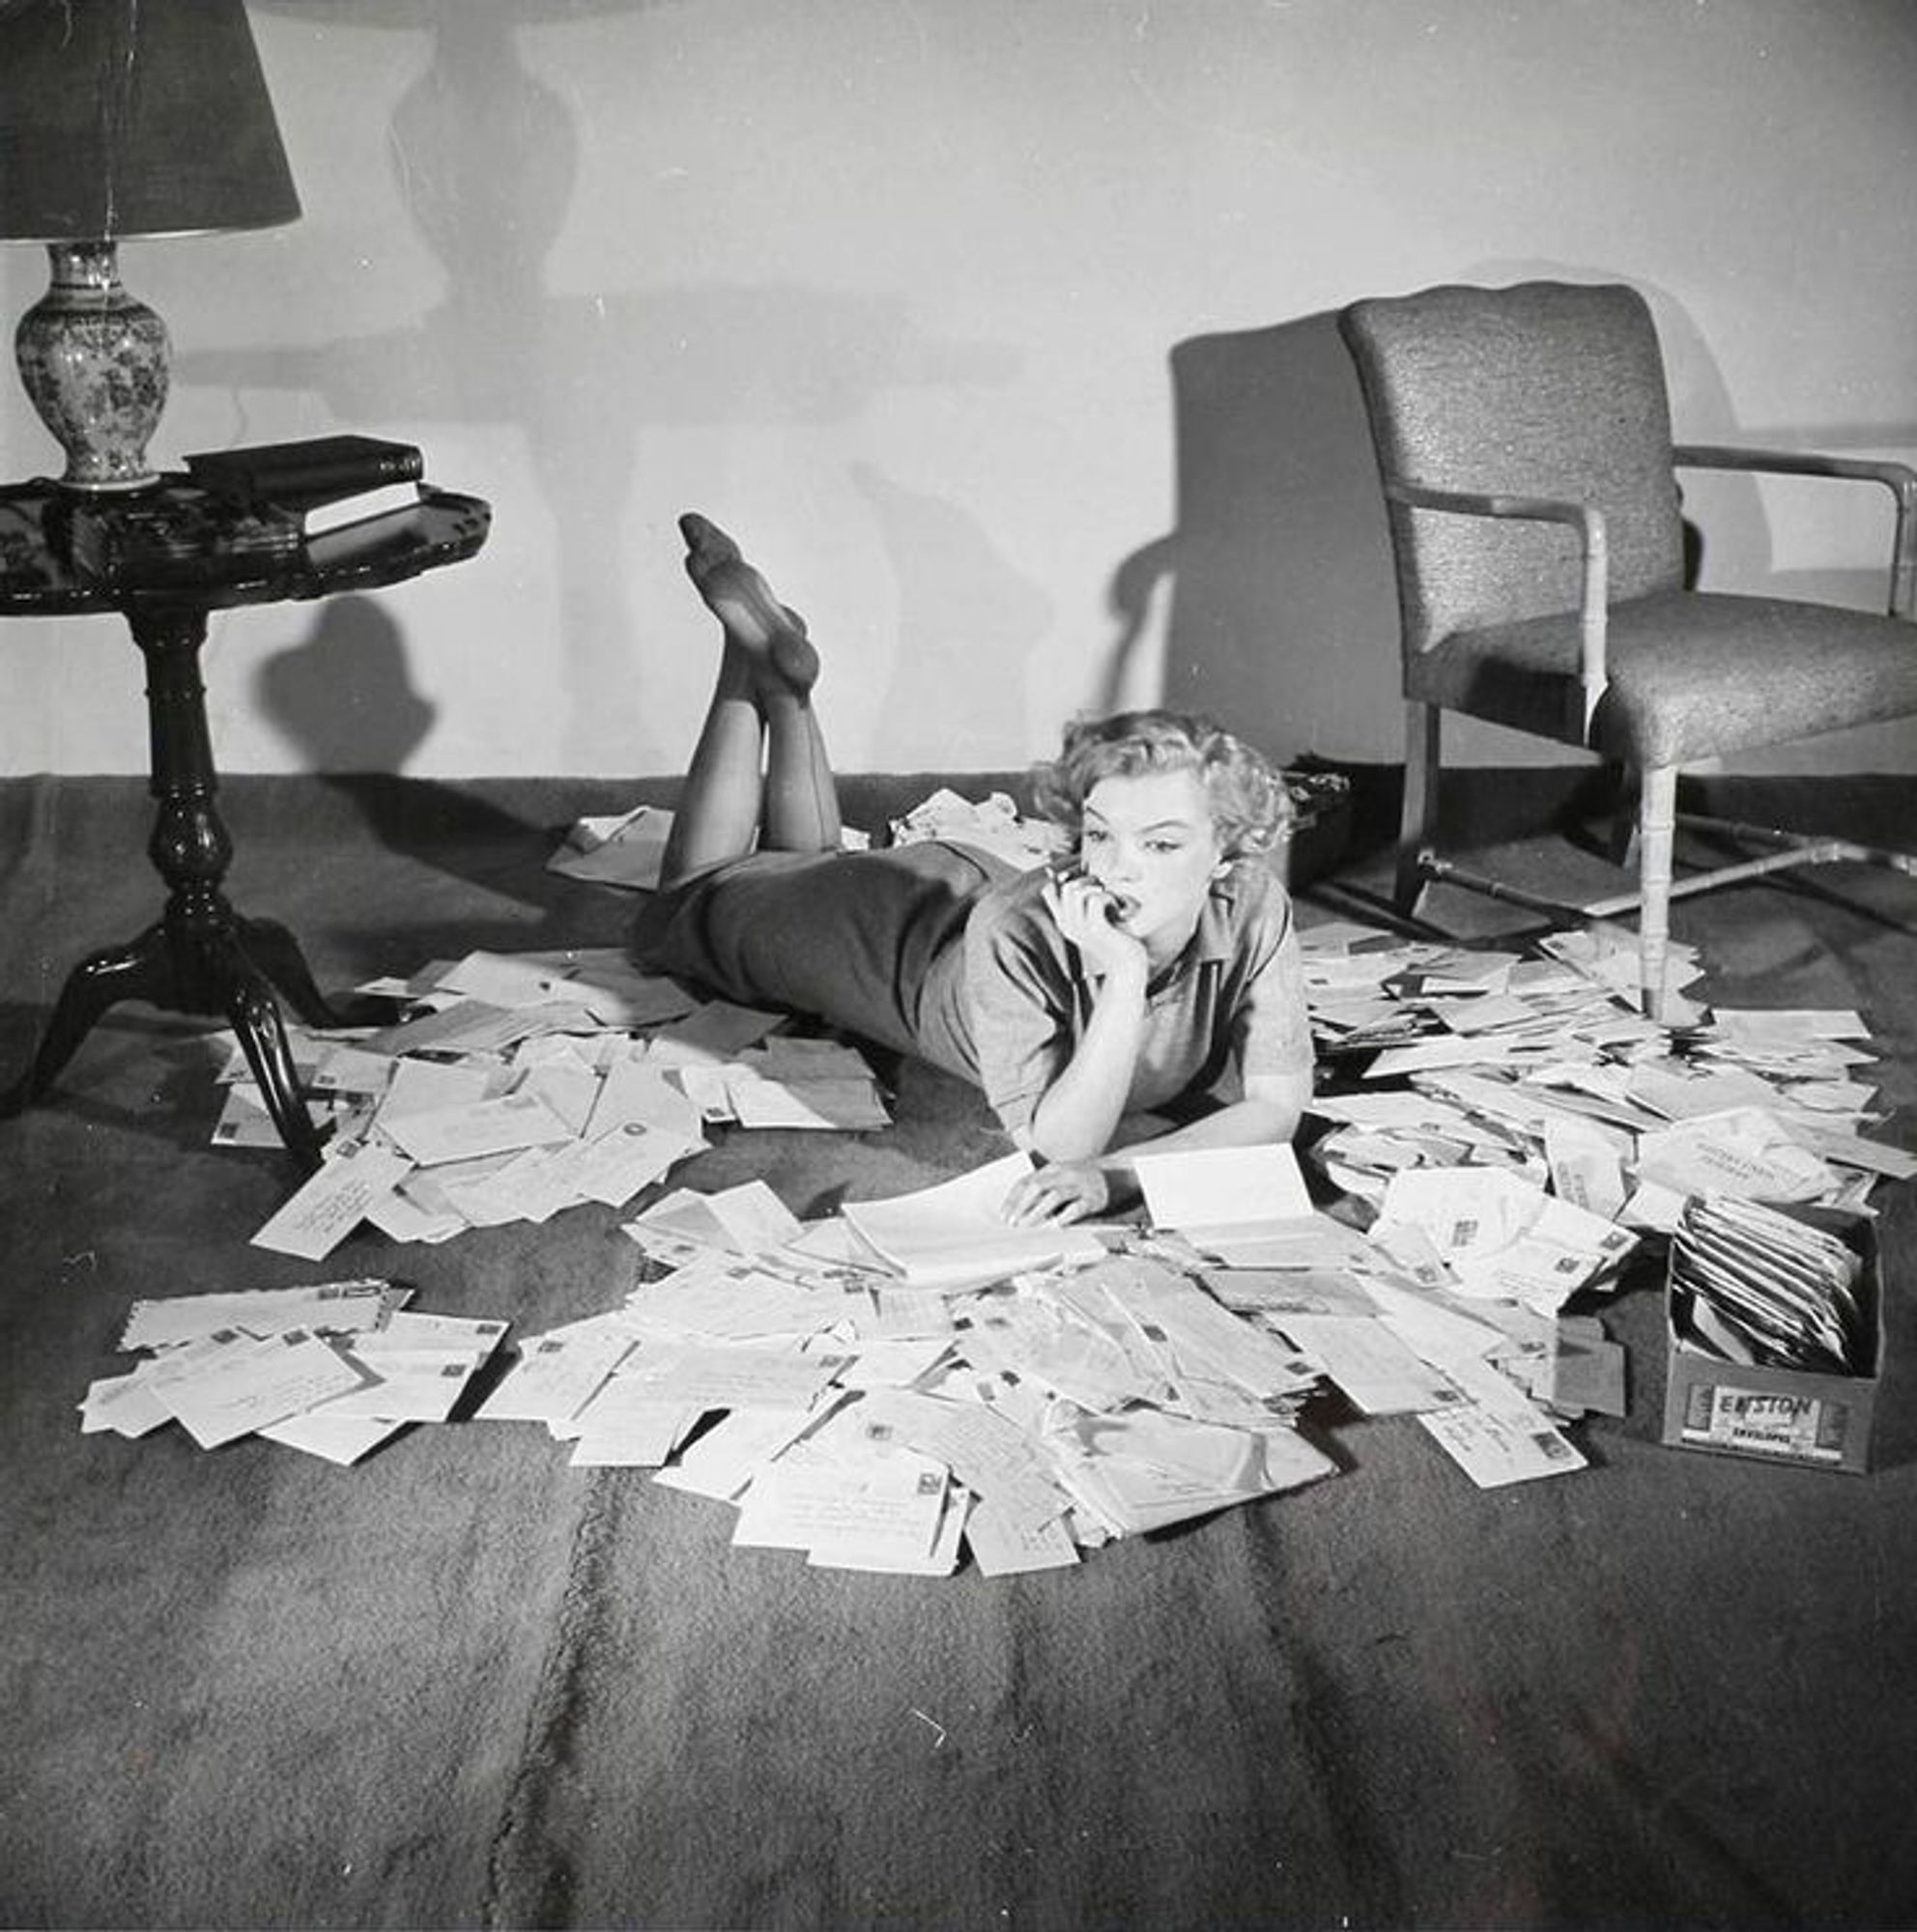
(801, 808)
(760, 704)
(719, 807)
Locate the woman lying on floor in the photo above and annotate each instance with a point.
(1155, 973)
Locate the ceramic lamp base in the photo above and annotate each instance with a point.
(94, 362)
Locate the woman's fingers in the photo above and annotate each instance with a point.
(1058, 1193)
(1078, 906)
(1028, 1203)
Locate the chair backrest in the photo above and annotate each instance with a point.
(1541, 389)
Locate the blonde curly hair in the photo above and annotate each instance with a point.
(1252, 810)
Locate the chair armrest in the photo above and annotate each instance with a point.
(1796, 463)
(1586, 519)
(1899, 479)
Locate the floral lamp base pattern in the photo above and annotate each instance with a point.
(94, 362)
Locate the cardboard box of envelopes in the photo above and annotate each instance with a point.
(1774, 1336)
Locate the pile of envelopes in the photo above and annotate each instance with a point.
(916, 1377)
(1511, 1124)
(1026, 1393)
(521, 1084)
(333, 1369)
(1760, 1286)
(908, 1378)
(1543, 1068)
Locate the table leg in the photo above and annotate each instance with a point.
(255, 1016)
(276, 952)
(202, 956)
(140, 971)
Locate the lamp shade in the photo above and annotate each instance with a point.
(135, 117)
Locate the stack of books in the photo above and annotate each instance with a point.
(238, 506)
(323, 483)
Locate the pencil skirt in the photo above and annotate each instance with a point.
(869, 941)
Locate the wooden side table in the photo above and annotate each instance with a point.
(200, 955)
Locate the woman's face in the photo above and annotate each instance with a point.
(1151, 843)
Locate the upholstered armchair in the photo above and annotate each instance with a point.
(1524, 446)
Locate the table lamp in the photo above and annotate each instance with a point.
(123, 118)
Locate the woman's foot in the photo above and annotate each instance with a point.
(769, 635)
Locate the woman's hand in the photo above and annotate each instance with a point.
(1061, 1191)
(1082, 908)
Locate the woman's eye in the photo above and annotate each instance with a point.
(1091, 838)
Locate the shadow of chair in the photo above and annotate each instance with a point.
(1524, 441)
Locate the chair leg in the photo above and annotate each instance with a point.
(1657, 817)
(1622, 845)
(1417, 828)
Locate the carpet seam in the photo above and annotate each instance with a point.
(549, 1717)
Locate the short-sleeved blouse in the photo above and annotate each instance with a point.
(948, 952)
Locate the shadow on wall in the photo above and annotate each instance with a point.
(1283, 617)
(345, 697)
(968, 623)
(486, 161)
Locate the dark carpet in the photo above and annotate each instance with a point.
(464, 1683)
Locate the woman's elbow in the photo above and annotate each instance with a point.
(1051, 1142)
(1276, 1107)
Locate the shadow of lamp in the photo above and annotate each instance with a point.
(123, 118)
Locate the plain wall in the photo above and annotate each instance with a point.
(893, 291)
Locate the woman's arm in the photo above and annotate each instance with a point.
(1067, 1189)
(1080, 1112)
(1077, 1115)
